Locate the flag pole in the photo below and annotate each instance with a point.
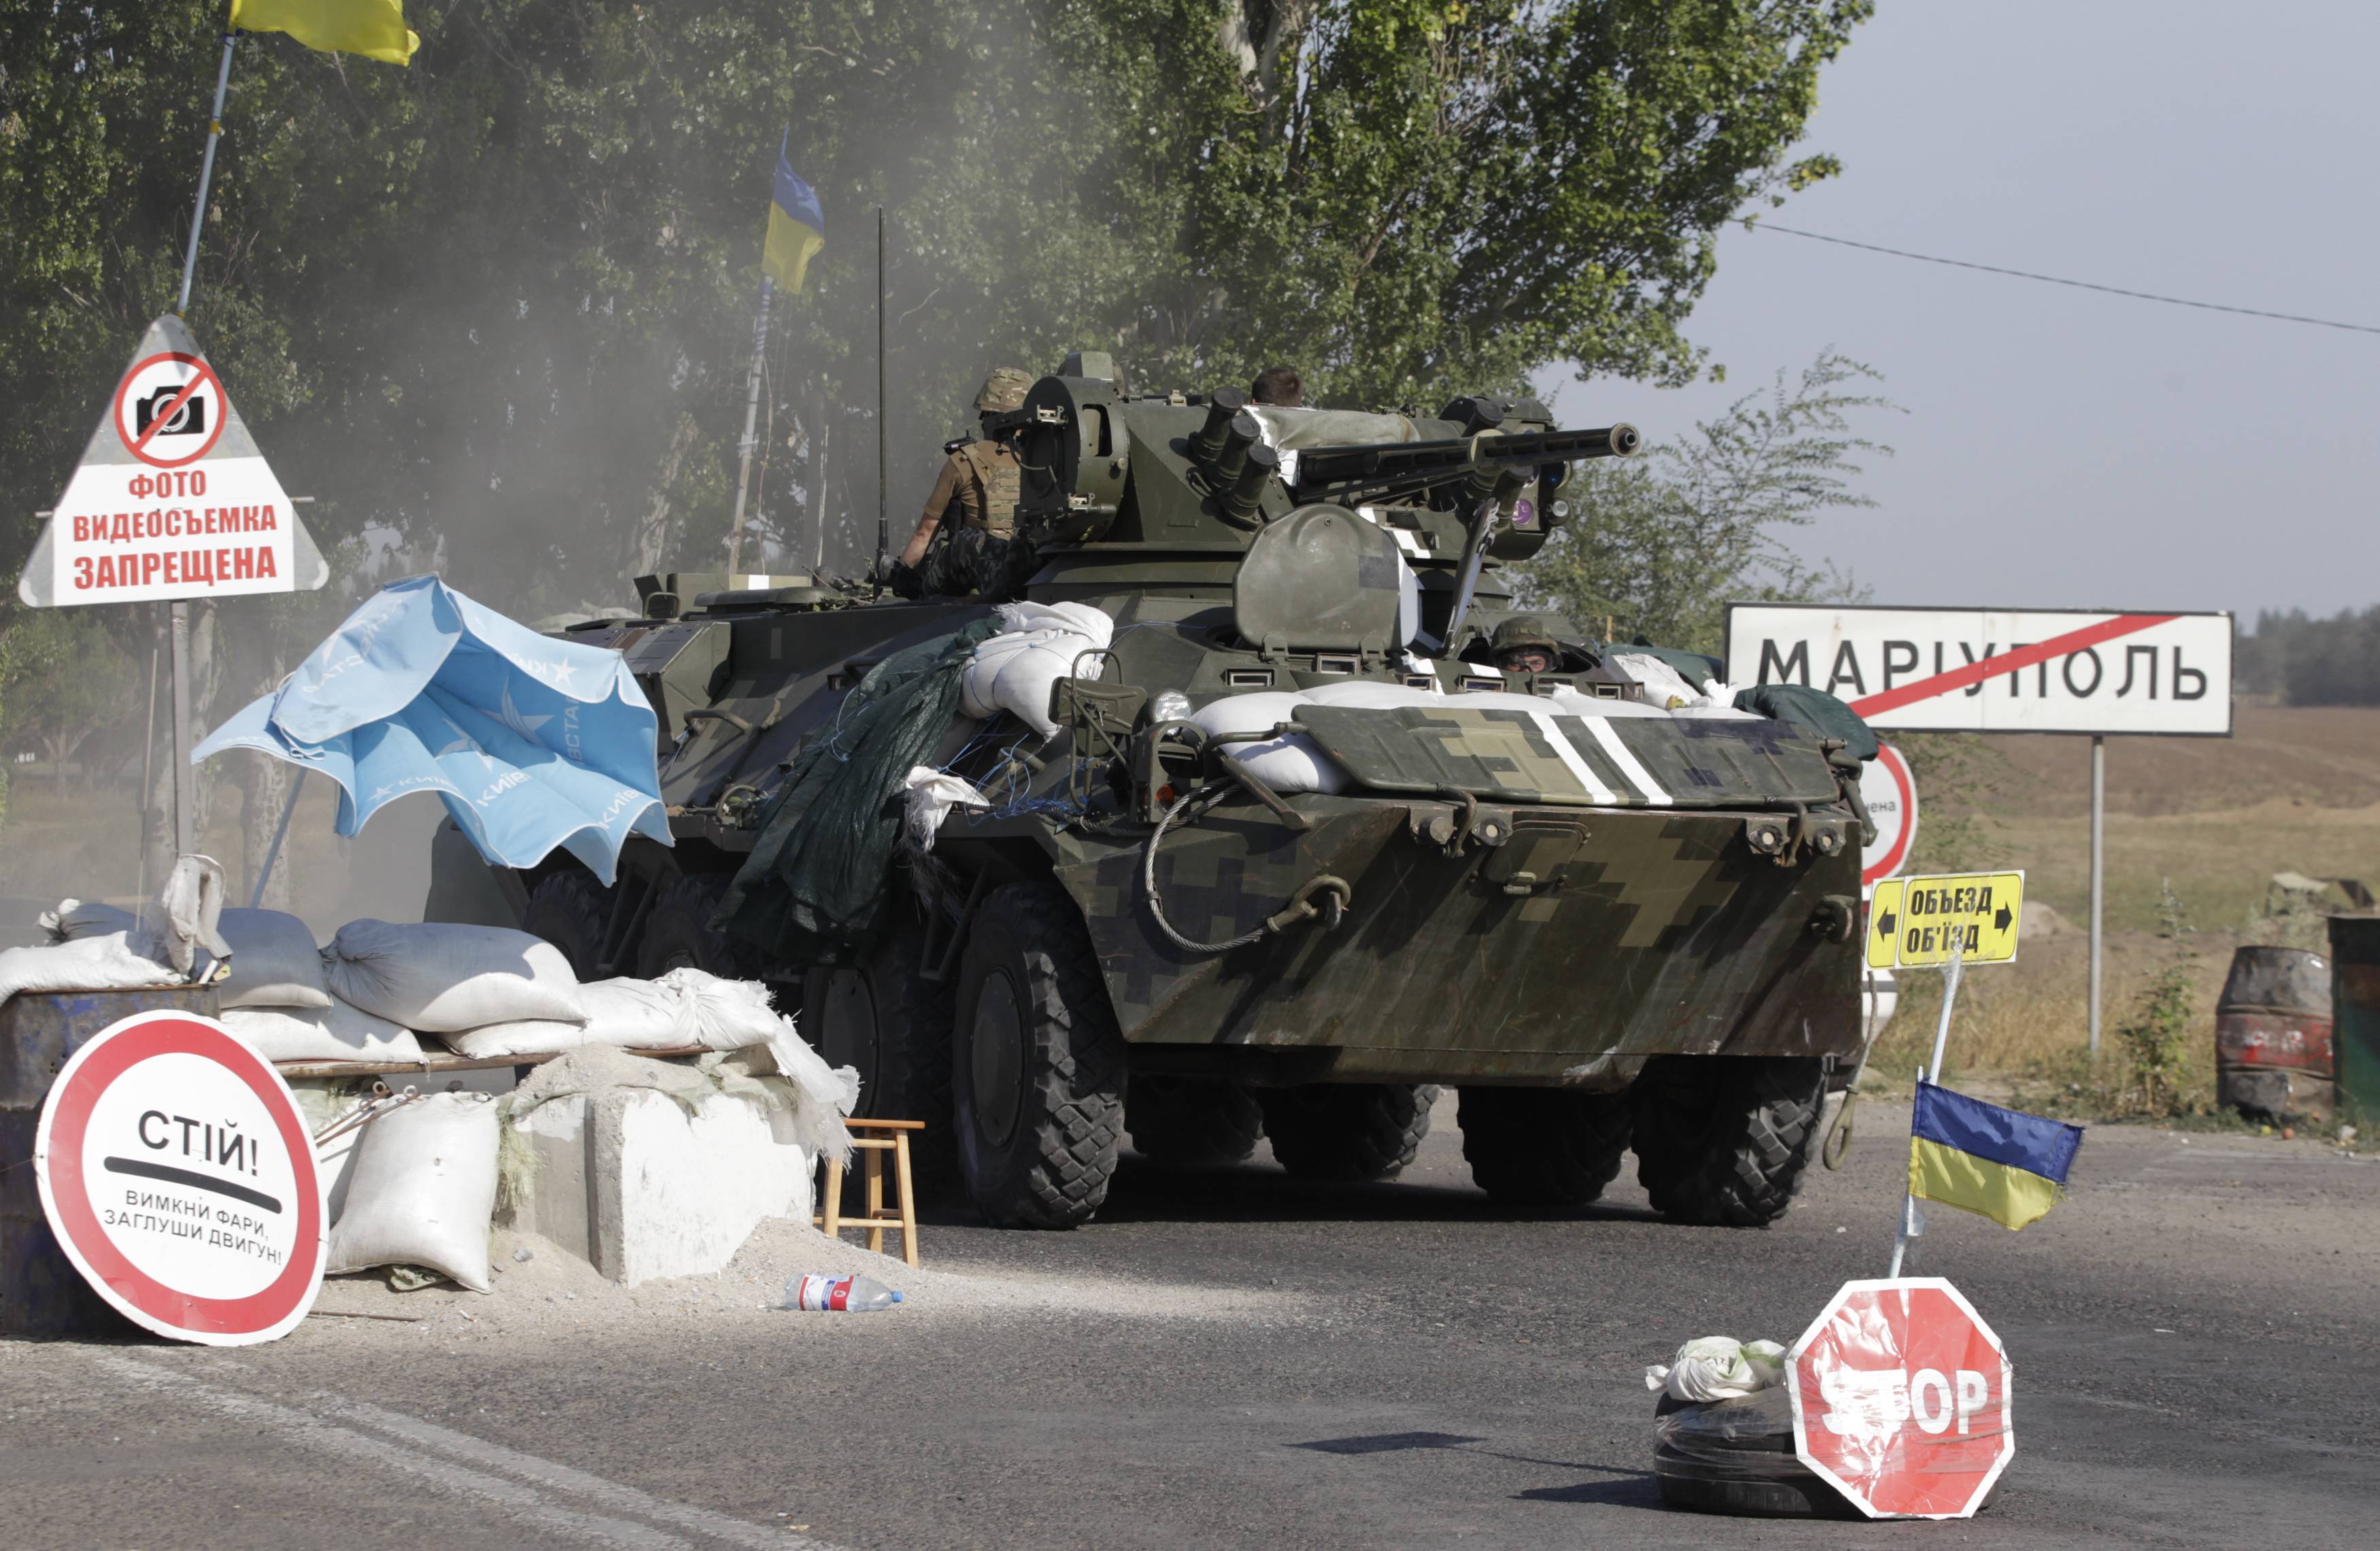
(751, 414)
(206, 171)
(1911, 1223)
(883, 532)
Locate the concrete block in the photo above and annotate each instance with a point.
(632, 1182)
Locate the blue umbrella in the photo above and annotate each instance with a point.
(531, 743)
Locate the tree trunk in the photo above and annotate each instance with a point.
(652, 533)
(264, 787)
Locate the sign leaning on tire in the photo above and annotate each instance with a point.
(1901, 1397)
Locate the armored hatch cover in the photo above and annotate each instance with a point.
(1321, 579)
(1547, 757)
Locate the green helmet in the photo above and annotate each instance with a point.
(1004, 390)
(1524, 631)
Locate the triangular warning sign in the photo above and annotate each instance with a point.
(172, 499)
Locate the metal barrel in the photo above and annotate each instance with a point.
(40, 1291)
(2272, 1035)
(2355, 1015)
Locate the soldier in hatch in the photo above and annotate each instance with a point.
(1280, 386)
(972, 512)
(1526, 643)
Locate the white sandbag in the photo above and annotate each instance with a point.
(441, 978)
(81, 918)
(1291, 764)
(527, 1037)
(1571, 702)
(178, 927)
(724, 1014)
(1372, 695)
(90, 963)
(932, 795)
(1664, 686)
(337, 1032)
(273, 961)
(423, 1189)
(1719, 1368)
(827, 1094)
(1039, 645)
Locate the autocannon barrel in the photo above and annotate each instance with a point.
(1418, 465)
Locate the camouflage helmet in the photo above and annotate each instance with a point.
(1523, 633)
(1004, 390)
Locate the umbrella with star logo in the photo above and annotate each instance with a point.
(531, 743)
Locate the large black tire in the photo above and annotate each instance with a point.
(1191, 1120)
(1039, 1065)
(569, 909)
(1723, 1139)
(881, 1016)
(1346, 1132)
(677, 932)
(1544, 1146)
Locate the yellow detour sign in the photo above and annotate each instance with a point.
(1914, 922)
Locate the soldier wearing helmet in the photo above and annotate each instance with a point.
(972, 511)
(1526, 643)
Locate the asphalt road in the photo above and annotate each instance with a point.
(1246, 1362)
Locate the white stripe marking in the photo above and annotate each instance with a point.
(1570, 756)
(524, 1502)
(1630, 766)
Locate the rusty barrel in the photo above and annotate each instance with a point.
(40, 1293)
(2355, 1011)
(2272, 1035)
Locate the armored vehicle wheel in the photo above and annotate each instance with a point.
(1039, 1066)
(1347, 1130)
(568, 909)
(1190, 1120)
(1722, 1140)
(677, 932)
(883, 1017)
(1544, 1146)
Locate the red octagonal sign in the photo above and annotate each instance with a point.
(1900, 1398)
(175, 1170)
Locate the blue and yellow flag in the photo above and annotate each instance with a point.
(2009, 1166)
(374, 28)
(796, 228)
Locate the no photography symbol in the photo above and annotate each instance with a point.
(169, 409)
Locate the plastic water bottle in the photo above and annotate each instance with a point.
(839, 1294)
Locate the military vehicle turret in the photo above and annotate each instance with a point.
(1607, 913)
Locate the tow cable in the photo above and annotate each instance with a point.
(1336, 896)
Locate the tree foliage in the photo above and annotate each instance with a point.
(2310, 661)
(1660, 543)
(492, 311)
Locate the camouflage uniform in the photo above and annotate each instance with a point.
(965, 542)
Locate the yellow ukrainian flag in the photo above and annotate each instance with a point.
(796, 228)
(374, 28)
(2003, 1164)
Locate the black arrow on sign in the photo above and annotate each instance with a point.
(2001, 920)
(1884, 924)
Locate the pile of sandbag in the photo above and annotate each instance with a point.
(1037, 645)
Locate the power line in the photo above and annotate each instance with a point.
(2056, 280)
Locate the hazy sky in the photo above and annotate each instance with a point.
(2063, 448)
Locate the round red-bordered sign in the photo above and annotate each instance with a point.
(180, 1178)
(1890, 793)
(160, 390)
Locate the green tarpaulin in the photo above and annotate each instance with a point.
(1814, 710)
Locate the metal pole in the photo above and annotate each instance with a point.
(2098, 875)
(206, 174)
(280, 834)
(148, 773)
(751, 412)
(818, 482)
(883, 532)
(185, 789)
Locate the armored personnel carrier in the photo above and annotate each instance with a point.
(1607, 919)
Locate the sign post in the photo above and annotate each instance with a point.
(1939, 669)
(176, 1171)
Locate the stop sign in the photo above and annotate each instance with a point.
(1900, 1398)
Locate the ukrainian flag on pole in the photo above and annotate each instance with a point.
(2007, 1165)
(796, 227)
(374, 28)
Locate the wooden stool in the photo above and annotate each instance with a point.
(873, 1148)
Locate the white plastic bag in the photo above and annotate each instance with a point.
(441, 978)
(725, 1014)
(1719, 1368)
(423, 1189)
(87, 963)
(273, 961)
(932, 794)
(337, 1032)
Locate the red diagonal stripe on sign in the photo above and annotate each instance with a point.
(2008, 663)
(158, 424)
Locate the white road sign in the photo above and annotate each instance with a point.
(172, 499)
(1996, 670)
(1890, 794)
